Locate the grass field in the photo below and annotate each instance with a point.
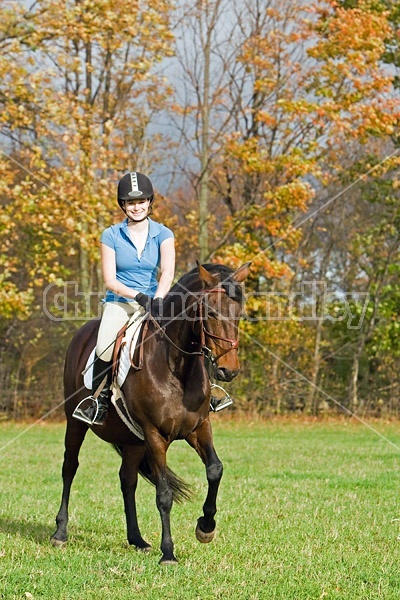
(307, 510)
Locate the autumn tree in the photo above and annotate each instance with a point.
(76, 104)
(309, 90)
(277, 105)
(204, 45)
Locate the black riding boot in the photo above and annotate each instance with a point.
(96, 412)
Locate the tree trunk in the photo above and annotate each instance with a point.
(204, 158)
(355, 369)
(312, 403)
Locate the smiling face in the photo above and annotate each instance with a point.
(137, 210)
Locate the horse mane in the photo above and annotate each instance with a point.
(192, 282)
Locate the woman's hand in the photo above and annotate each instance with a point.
(157, 308)
(144, 300)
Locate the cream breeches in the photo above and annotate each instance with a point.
(114, 316)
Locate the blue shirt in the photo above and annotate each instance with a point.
(138, 273)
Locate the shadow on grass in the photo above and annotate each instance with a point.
(27, 529)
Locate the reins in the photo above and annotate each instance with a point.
(205, 351)
(164, 335)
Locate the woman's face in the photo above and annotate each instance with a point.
(136, 210)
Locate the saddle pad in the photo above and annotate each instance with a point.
(128, 345)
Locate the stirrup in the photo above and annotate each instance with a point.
(221, 401)
(80, 414)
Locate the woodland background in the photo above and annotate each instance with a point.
(271, 131)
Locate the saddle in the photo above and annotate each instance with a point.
(126, 343)
(127, 339)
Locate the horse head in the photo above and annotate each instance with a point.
(220, 307)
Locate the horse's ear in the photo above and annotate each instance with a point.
(242, 272)
(207, 277)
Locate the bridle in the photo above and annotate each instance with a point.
(205, 351)
(204, 332)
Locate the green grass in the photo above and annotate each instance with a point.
(307, 510)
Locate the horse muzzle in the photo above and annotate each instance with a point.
(223, 374)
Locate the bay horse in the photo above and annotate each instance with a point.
(168, 397)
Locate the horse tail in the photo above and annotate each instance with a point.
(181, 491)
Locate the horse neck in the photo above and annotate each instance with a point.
(179, 327)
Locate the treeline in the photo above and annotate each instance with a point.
(270, 129)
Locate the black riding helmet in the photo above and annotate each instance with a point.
(135, 186)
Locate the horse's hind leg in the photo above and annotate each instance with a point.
(132, 456)
(74, 436)
(202, 441)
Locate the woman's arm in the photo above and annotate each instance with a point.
(108, 265)
(167, 267)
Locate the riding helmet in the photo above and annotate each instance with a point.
(135, 185)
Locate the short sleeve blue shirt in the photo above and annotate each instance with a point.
(138, 273)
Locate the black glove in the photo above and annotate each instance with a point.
(144, 300)
(157, 308)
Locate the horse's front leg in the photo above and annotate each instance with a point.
(156, 449)
(132, 455)
(74, 436)
(202, 441)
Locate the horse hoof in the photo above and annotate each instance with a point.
(58, 543)
(168, 561)
(145, 549)
(203, 537)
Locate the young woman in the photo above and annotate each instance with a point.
(138, 264)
